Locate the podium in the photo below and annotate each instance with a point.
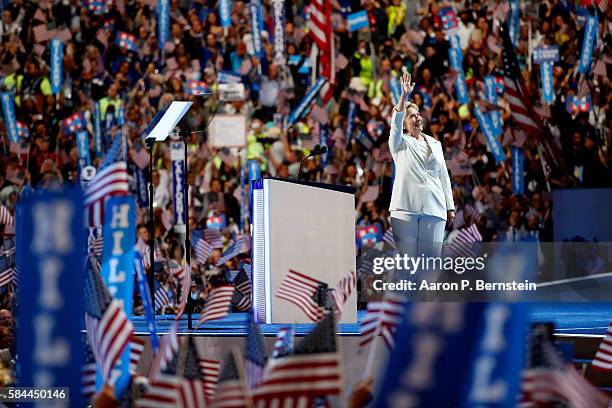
(304, 226)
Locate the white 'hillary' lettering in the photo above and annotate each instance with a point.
(56, 50)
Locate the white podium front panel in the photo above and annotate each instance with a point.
(308, 229)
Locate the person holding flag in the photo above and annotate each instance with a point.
(422, 199)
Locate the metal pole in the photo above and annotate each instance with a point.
(151, 275)
(187, 240)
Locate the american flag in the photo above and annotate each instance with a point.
(603, 357)
(371, 194)
(175, 269)
(40, 16)
(185, 291)
(140, 157)
(88, 370)
(168, 346)
(246, 66)
(341, 62)
(214, 237)
(319, 114)
(313, 138)
(463, 245)
(299, 289)
(102, 35)
(520, 103)
(192, 391)
(230, 392)
(319, 23)
(161, 298)
(95, 241)
(240, 246)
(41, 34)
(210, 374)
(217, 304)
(64, 35)
(108, 328)
(343, 290)
(5, 216)
(283, 106)
(145, 252)
(600, 69)
(283, 344)
(161, 392)
(339, 137)
(203, 250)
(242, 283)
(388, 237)
(255, 354)
(415, 37)
(382, 319)
(312, 370)
(6, 271)
(110, 180)
(137, 346)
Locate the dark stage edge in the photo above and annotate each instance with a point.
(570, 319)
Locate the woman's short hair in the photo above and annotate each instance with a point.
(412, 105)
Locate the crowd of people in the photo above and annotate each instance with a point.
(136, 80)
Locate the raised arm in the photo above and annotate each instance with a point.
(397, 119)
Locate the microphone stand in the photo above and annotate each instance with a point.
(151, 276)
(317, 151)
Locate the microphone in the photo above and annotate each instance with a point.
(316, 151)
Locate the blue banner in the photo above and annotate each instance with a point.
(118, 271)
(254, 170)
(163, 22)
(586, 53)
(491, 94)
(546, 73)
(82, 139)
(177, 154)
(143, 288)
(228, 77)
(547, 53)
(357, 21)
(97, 130)
(225, 13)
(278, 10)
(256, 27)
(472, 351)
(455, 56)
(323, 137)
(396, 89)
(518, 159)
(299, 110)
(49, 339)
(350, 121)
(513, 21)
(141, 187)
(8, 109)
(487, 129)
(56, 66)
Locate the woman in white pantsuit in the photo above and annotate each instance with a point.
(422, 200)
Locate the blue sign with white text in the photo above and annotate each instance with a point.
(51, 258)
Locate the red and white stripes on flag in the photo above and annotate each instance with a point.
(299, 289)
(603, 357)
(140, 157)
(191, 393)
(370, 195)
(319, 114)
(6, 218)
(108, 336)
(185, 291)
(343, 290)
(382, 319)
(210, 372)
(6, 276)
(246, 66)
(161, 392)
(463, 243)
(217, 304)
(388, 237)
(168, 346)
(341, 62)
(41, 34)
(320, 25)
(136, 348)
(339, 138)
(110, 181)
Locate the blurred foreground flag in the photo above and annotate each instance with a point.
(51, 229)
(603, 358)
(472, 351)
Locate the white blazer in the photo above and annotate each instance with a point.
(419, 187)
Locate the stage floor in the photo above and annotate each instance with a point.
(570, 319)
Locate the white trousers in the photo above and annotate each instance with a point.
(417, 234)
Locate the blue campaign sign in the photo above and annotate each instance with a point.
(225, 13)
(56, 66)
(254, 170)
(8, 110)
(549, 53)
(177, 155)
(472, 351)
(518, 159)
(82, 138)
(51, 259)
(487, 129)
(118, 270)
(163, 23)
(357, 21)
(256, 27)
